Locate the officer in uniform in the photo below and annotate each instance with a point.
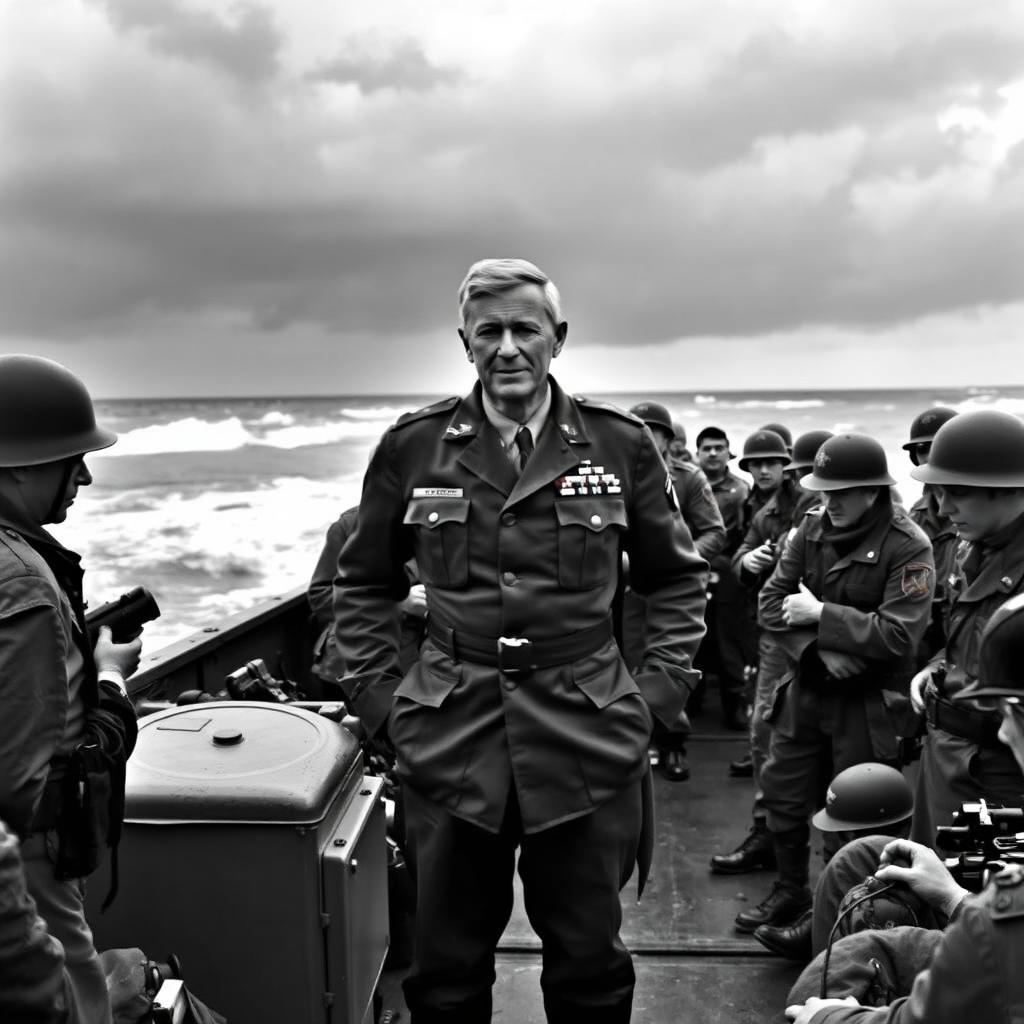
(701, 515)
(925, 512)
(976, 466)
(970, 971)
(730, 645)
(66, 725)
(848, 603)
(520, 726)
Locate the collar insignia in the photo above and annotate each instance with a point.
(462, 428)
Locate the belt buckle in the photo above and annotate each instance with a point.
(514, 654)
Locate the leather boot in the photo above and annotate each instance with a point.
(792, 941)
(755, 853)
(790, 896)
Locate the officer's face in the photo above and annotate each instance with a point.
(766, 473)
(848, 506)
(976, 512)
(40, 486)
(511, 340)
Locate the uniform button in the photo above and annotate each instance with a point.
(508, 578)
(595, 520)
(509, 684)
(433, 517)
(508, 519)
(871, 554)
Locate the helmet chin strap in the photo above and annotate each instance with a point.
(70, 466)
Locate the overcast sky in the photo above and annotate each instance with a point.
(201, 197)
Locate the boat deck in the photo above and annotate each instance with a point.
(691, 964)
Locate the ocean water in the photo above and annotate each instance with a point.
(216, 504)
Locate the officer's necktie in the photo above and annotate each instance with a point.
(524, 442)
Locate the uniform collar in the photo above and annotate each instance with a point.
(470, 416)
(507, 427)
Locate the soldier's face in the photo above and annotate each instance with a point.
(713, 455)
(976, 512)
(511, 340)
(847, 507)
(40, 485)
(766, 473)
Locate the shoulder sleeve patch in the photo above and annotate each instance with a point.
(917, 580)
(445, 405)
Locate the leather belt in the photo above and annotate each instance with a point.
(519, 654)
(981, 727)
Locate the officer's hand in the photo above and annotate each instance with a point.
(761, 558)
(919, 687)
(804, 1013)
(416, 601)
(919, 868)
(123, 658)
(841, 665)
(801, 608)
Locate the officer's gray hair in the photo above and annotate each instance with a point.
(491, 277)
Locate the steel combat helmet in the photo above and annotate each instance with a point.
(865, 796)
(763, 444)
(848, 460)
(46, 413)
(925, 424)
(654, 415)
(806, 446)
(976, 449)
(1000, 655)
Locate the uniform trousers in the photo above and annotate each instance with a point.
(849, 867)
(816, 735)
(770, 665)
(62, 906)
(572, 874)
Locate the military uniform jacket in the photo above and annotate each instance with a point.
(877, 599)
(731, 493)
(699, 508)
(535, 556)
(771, 522)
(976, 971)
(970, 605)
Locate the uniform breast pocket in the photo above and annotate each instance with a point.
(589, 532)
(442, 539)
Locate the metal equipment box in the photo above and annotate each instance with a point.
(254, 848)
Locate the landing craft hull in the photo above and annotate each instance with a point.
(691, 965)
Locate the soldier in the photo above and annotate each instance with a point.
(873, 802)
(677, 450)
(976, 465)
(925, 512)
(701, 515)
(753, 563)
(520, 726)
(970, 971)
(848, 603)
(67, 726)
(730, 645)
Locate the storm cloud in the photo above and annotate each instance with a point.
(699, 170)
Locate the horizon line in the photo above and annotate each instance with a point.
(979, 388)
